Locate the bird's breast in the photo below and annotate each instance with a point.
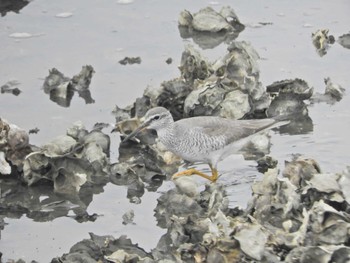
(190, 147)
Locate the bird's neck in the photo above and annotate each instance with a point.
(166, 134)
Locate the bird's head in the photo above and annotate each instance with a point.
(156, 119)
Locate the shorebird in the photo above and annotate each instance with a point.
(206, 139)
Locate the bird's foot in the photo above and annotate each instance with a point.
(193, 171)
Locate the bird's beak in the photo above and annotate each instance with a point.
(142, 127)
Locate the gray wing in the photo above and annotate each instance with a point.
(229, 130)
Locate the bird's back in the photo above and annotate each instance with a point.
(217, 127)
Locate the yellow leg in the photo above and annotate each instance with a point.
(192, 171)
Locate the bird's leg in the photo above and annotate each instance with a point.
(192, 171)
(214, 173)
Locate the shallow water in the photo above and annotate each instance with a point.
(101, 33)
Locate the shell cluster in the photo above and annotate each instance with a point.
(14, 146)
(70, 161)
(299, 215)
(209, 28)
(61, 88)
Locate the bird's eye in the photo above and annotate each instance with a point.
(156, 117)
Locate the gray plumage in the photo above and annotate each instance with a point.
(205, 139)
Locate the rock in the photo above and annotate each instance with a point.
(334, 90)
(130, 60)
(296, 88)
(252, 240)
(321, 40)
(193, 65)
(5, 167)
(186, 185)
(12, 6)
(333, 93)
(14, 144)
(209, 28)
(300, 170)
(288, 101)
(128, 217)
(233, 90)
(61, 88)
(266, 162)
(69, 162)
(169, 61)
(56, 85)
(11, 87)
(344, 40)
